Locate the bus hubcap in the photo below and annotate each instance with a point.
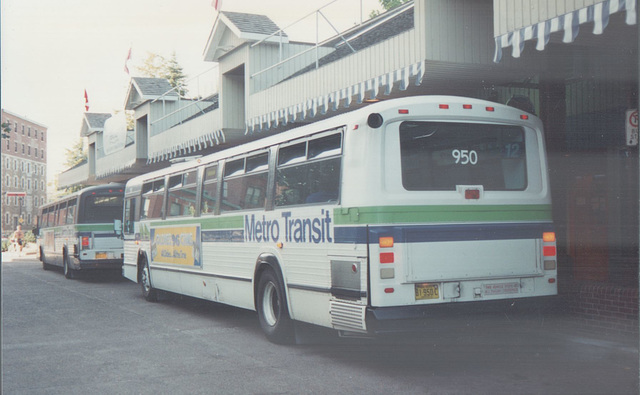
(270, 304)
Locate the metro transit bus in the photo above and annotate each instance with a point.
(365, 222)
(77, 231)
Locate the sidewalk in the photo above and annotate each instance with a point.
(30, 252)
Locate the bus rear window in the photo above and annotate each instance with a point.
(437, 156)
(101, 209)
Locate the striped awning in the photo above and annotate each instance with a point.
(357, 93)
(190, 146)
(569, 23)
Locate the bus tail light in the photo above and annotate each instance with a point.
(386, 257)
(467, 106)
(549, 251)
(472, 194)
(549, 237)
(443, 106)
(85, 242)
(490, 109)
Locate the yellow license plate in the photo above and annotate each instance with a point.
(427, 291)
(101, 255)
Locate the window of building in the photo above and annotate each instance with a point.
(23, 150)
(22, 129)
(29, 131)
(29, 150)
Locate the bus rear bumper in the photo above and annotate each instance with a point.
(98, 264)
(382, 320)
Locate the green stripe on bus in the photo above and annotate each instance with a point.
(441, 213)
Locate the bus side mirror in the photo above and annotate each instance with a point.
(117, 227)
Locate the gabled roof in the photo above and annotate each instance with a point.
(247, 24)
(245, 27)
(143, 89)
(93, 122)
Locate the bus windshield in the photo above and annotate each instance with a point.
(101, 209)
(438, 156)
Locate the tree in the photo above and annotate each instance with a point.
(75, 156)
(387, 5)
(6, 130)
(157, 66)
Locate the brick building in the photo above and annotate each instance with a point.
(24, 171)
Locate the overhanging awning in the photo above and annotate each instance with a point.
(357, 93)
(569, 23)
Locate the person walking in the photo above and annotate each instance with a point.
(18, 239)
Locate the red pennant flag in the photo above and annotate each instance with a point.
(86, 101)
(217, 4)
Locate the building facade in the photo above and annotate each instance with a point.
(575, 61)
(24, 171)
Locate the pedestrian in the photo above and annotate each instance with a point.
(18, 239)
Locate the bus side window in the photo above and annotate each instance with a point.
(209, 190)
(71, 212)
(129, 215)
(182, 194)
(152, 200)
(62, 213)
(245, 183)
(310, 179)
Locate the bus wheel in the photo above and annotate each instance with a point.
(149, 293)
(68, 272)
(272, 309)
(45, 265)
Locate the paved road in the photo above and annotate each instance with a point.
(97, 335)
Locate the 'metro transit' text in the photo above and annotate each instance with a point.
(297, 230)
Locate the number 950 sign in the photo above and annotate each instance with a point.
(465, 156)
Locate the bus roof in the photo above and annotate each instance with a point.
(432, 103)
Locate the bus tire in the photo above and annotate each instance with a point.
(273, 313)
(45, 265)
(68, 271)
(149, 293)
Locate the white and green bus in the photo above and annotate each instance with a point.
(365, 222)
(77, 231)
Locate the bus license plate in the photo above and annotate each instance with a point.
(101, 255)
(427, 291)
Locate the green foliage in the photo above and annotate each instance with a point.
(6, 130)
(76, 154)
(5, 245)
(387, 5)
(29, 237)
(157, 66)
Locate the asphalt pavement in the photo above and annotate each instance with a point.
(98, 335)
